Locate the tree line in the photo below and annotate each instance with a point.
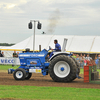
(6, 44)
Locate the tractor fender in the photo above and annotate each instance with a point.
(59, 53)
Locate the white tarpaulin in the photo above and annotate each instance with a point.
(81, 44)
(96, 45)
(84, 44)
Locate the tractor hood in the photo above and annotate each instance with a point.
(37, 54)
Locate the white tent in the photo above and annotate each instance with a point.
(6, 52)
(81, 44)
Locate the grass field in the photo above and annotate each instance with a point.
(46, 93)
(49, 93)
(6, 67)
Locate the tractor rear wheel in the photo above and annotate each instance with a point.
(28, 76)
(19, 74)
(62, 69)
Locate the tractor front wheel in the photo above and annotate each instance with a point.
(28, 76)
(19, 74)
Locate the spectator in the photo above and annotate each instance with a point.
(74, 56)
(15, 54)
(88, 57)
(77, 58)
(82, 62)
(2, 54)
(96, 60)
(98, 56)
(85, 62)
(84, 56)
(81, 55)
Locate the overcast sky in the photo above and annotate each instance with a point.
(70, 17)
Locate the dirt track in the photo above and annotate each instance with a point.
(40, 80)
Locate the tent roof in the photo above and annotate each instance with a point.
(85, 44)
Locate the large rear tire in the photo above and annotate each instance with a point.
(62, 69)
(77, 64)
(19, 74)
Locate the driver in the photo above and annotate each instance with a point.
(57, 48)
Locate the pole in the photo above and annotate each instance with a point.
(34, 34)
(39, 48)
(34, 38)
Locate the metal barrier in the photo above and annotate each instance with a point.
(91, 74)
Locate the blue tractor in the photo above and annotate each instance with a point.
(61, 66)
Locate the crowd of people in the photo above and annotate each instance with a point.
(83, 58)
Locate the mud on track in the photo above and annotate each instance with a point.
(40, 80)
